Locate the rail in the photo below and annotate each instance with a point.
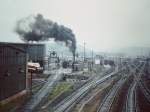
(108, 101)
(131, 99)
(69, 102)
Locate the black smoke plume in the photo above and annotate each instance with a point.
(37, 28)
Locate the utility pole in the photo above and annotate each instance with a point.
(84, 51)
(62, 55)
(92, 59)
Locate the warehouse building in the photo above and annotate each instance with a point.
(13, 70)
(36, 52)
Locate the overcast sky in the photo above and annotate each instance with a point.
(102, 24)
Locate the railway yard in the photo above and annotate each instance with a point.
(123, 90)
(75, 56)
(120, 88)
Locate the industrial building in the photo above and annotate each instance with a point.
(14, 81)
(13, 70)
(36, 52)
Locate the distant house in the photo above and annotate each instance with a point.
(13, 70)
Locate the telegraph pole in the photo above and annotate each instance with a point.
(92, 59)
(84, 51)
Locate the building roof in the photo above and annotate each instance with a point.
(13, 47)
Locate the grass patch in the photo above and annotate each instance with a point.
(59, 88)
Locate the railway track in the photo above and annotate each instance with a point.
(141, 84)
(131, 105)
(37, 98)
(145, 90)
(75, 97)
(108, 101)
(90, 102)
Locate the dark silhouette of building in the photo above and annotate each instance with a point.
(13, 70)
(36, 52)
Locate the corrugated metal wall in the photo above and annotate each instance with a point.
(12, 70)
(36, 52)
